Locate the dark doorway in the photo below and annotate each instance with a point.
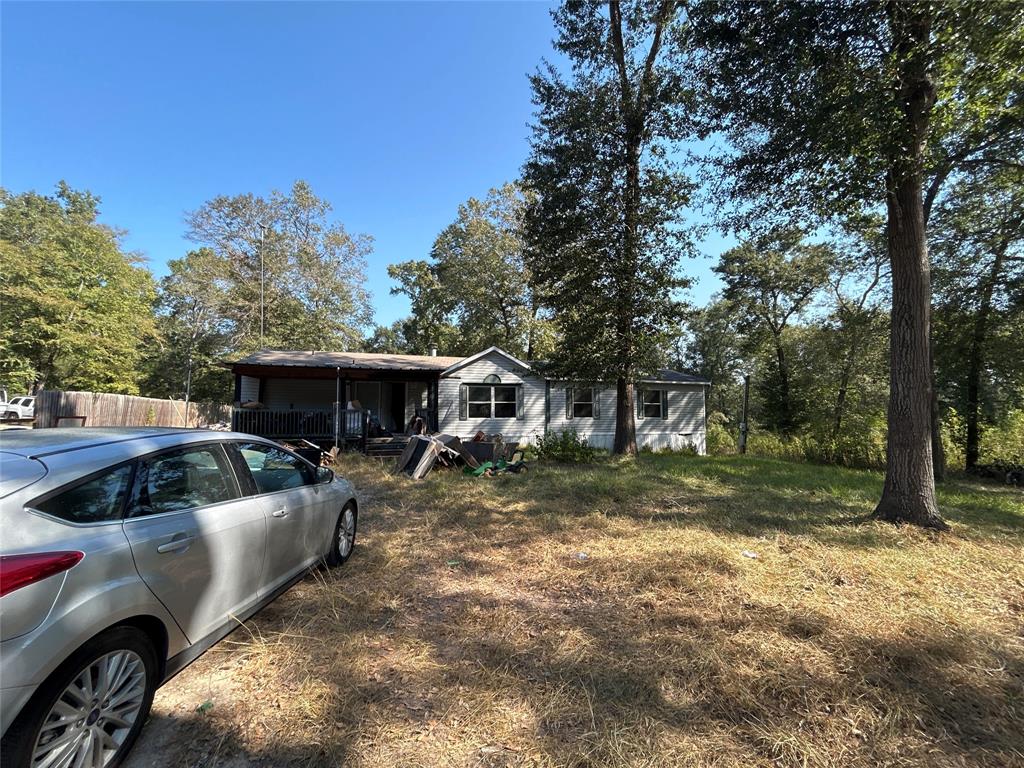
(398, 406)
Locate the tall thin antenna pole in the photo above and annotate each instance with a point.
(263, 229)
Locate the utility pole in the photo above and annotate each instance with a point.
(188, 386)
(263, 230)
(744, 425)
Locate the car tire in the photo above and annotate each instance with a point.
(344, 539)
(120, 651)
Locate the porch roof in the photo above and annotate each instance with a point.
(348, 361)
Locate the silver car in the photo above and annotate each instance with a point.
(124, 555)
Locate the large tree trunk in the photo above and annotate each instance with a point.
(625, 418)
(909, 491)
(976, 357)
(531, 336)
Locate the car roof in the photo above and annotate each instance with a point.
(43, 442)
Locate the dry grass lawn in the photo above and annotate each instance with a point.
(608, 615)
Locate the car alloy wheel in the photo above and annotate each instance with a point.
(347, 532)
(344, 539)
(89, 722)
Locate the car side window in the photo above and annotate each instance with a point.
(274, 469)
(186, 478)
(97, 500)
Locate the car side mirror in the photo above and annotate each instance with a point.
(324, 475)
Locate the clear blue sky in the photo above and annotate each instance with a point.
(394, 112)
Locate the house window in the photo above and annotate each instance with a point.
(583, 403)
(654, 403)
(492, 378)
(485, 401)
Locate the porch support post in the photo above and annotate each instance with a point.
(337, 407)
(432, 404)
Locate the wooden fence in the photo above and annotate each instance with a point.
(102, 409)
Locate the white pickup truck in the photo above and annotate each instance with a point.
(18, 408)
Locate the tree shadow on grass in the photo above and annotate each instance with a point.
(508, 658)
(746, 496)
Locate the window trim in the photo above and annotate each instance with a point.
(137, 472)
(661, 403)
(235, 443)
(493, 403)
(30, 507)
(576, 401)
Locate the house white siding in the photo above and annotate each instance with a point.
(523, 430)
(683, 427)
(541, 406)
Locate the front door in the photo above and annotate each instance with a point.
(398, 420)
(197, 545)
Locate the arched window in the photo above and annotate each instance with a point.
(492, 379)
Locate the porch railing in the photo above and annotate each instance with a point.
(353, 424)
(312, 425)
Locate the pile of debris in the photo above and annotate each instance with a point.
(483, 456)
(311, 452)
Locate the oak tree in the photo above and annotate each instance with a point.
(831, 107)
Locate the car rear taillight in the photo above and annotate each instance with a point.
(17, 571)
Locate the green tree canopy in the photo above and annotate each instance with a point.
(769, 282)
(979, 298)
(310, 270)
(606, 233)
(476, 290)
(77, 309)
(194, 334)
(833, 107)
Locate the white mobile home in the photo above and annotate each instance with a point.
(334, 395)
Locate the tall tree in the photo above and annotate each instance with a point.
(713, 348)
(389, 339)
(77, 309)
(858, 282)
(769, 281)
(430, 325)
(830, 106)
(980, 241)
(477, 281)
(294, 278)
(605, 234)
(194, 335)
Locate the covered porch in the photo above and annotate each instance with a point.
(348, 406)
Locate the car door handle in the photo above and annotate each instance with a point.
(282, 512)
(180, 542)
